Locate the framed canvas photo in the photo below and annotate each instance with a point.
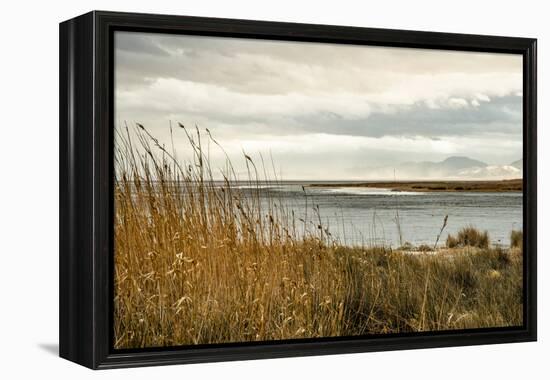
(237, 189)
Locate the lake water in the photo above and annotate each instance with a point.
(360, 216)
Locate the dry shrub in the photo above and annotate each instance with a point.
(469, 237)
(516, 239)
(451, 242)
(425, 248)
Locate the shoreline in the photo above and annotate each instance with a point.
(511, 185)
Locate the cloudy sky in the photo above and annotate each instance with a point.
(322, 111)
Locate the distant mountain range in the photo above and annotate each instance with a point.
(455, 167)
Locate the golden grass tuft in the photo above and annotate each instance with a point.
(516, 239)
(468, 237)
(199, 261)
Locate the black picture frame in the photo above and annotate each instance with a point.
(86, 187)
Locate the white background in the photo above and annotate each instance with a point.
(29, 187)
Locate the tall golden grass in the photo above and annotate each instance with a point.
(199, 261)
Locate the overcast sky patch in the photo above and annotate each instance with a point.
(313, 106)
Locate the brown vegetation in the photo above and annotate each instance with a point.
(468, 237)
(198, 262)
(516, 239)
(438, 186)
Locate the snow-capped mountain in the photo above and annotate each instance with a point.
(455, 167)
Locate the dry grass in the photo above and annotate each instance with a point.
(516, 239)
(201, 262)
(425, 248)
(468, 237)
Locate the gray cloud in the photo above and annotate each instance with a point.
(501, 115)
(260, 94)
